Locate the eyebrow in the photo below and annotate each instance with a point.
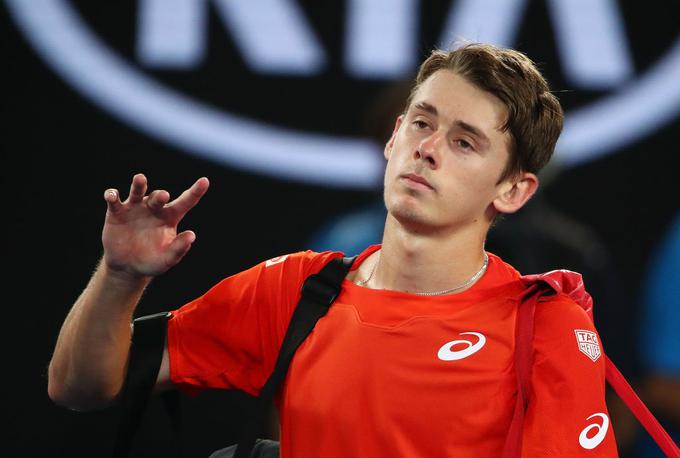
(475, 131)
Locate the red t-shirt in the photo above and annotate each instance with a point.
(387, 373)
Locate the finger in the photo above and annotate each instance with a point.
(137, 188)
(179, 247)
(113, 203)
(190, 197)
(157, 199)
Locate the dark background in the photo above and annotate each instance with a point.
(60, 152)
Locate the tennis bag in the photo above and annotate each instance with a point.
(319, 291)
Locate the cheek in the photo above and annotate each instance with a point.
(470, 183)
(393, 165)
(478, 172)
(389, 178)
(388, 171)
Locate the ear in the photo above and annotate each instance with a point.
(515, 192)
(390, 142)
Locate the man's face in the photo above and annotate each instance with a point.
(446, 155)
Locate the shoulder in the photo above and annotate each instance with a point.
(275, 277)
(559, 312)
(300, 264)
(564, 332)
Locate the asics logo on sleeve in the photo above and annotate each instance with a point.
(590, 443)
(275, 260)
(447, 353)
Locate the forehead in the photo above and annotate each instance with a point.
(456, 99)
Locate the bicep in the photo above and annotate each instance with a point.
(567, 414)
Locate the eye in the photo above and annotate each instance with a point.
(464, 144)
(420, 124)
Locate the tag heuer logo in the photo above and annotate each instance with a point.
(588, 343)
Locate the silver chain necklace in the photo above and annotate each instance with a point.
(467, 282)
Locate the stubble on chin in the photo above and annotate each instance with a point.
(407, 213)
(406, 206)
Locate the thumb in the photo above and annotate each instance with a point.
(179, 247)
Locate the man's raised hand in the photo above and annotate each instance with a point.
(140, 236)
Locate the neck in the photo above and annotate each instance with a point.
(435, 261)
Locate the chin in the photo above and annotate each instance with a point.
(407, 209)
(410, 216)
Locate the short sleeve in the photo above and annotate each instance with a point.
(229, 337)
(567, 414)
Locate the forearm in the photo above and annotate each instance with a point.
(88, 366)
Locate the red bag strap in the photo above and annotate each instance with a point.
(524, 359)
(623, 389)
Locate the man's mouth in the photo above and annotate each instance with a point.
(415, 180)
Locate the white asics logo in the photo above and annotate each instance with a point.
(590, 443)
(275, 260)
(446, 354)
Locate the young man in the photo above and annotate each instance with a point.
(415, 357)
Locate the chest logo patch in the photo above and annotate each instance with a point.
(448, 353)
(590, 443)
(588, 343)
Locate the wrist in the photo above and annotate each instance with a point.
(123, 279)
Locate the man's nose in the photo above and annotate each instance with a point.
(428, 148)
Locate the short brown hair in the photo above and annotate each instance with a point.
(535, 116)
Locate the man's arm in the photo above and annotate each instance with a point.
(140, 241)
(567, 413)
(88, 366)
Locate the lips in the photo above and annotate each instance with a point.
(417, 179)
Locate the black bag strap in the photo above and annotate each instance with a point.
(146, 353)
(148, 342)
(319, 291)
